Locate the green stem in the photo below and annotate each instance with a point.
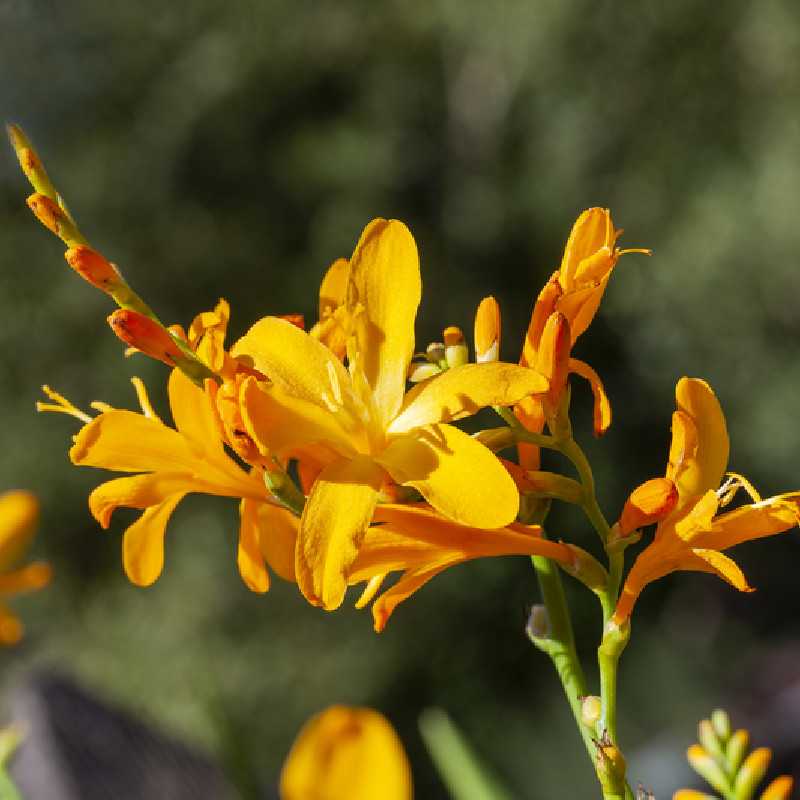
(559, 644)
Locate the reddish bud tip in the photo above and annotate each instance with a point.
(93, 267)
(298, 320)
(146, 335)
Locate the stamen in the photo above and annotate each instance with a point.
(370, 590)
(643, 250)
(99, 405)
(144, 399)
(61, 405)
(334, 381)
(734, 482)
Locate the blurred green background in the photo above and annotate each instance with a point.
(235, 149)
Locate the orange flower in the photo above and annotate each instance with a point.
(415, 540)
(563, 311)
(691, 535)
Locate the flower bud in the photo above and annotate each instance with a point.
(435, 352)
(298, 320)
(551, 484)
(496, 439)
(648, 503)
(538, 625)
(704, 764)
(591, 708)
(586, 568)
(487, 330)
(48, 212)
(29, 161)
(93, 268)
(736, 749)
(779, 789)
(722, 724)
(752, 772)
(146, 335)
(455, 350)
(418, 372)
(707, 736)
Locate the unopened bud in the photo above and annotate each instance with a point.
(435, 352)
(611, 767)
(48, 212)
(779, 789)
(736, 749)
(722, 724)
(418, 372)
(591, 708)
(538, 626)
(706, 766)
(93, 267)
(146, 335)
(487, 330)
(707, 736)
(455, 350)
(551, 484)
(752, 772)
(648, 503)
(29, 161)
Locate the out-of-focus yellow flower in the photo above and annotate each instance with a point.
(690, 534)
(563, 310)
(722, 760)
(170, 463)
(361, 424)
(415, 540)
(19, 515)
(347, 754)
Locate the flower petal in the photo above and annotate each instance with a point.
(720, 565)
(143, 543)
(19, 515)
(278, 539)
(408, 584)
(383, 296)
(346, 752)
(249, 557)
(455, 473)
(140, 491)
(464, 390)
(333, 289)
(705, 471)
(280, 423)
(29, 578)
(335, 519)
(602, 408)
(592, 231)
(125, 441)
(765, 518)
(650, 502)
(296, 362)
(193, 415)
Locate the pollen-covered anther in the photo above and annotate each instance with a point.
(93, 268)
(455, 349)
(143, 333)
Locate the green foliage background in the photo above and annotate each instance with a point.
(235, 149)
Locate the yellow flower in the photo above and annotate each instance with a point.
(347, 754)
(690, 534)
(19, 514)
(415, 540)
(360, 422)
(562, 312)
(170, 463)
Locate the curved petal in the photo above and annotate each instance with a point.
(296, 362)
(648, 503)
(602, 408)
(455, 473)
(592, 230)
(143, 543)
(193, 415)
(333, 289)
(335, 519)
(718, 564)
(125, 441)
(410, 582)
(464, 390)
(530, 412)
(545, 305)
(139, 491)
(383, 296)
(347, 752)
(705, 471)
(278, 539)
(19, 515)
(249, 557)
(768, 517)
(281, 423)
